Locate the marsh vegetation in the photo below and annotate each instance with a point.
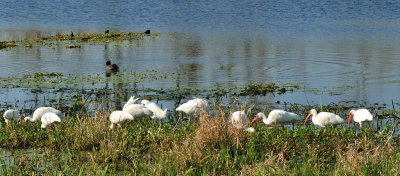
(83, 144)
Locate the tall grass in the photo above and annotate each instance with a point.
(207, 146)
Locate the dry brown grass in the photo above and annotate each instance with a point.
(211, 133)
(359, 155)
(273, 165)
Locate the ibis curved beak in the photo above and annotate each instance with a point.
(349, 120)
(308, 116)
(254, 120)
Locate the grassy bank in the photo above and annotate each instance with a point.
(206, 146)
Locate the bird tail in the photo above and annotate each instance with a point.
(165, 112)
(341, 120)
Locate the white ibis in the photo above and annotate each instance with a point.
(277, 117)
(193, 106)
(49, 118)
(138, 110)
(323, 119)
(40, 111)
(132, 100)
(117, 117)
(359, 116)
(11, 115)
(239, 120)
(157, 111)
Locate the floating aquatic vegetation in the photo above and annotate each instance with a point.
(58, 80)
(75, 41)
(8, 44)
(263, 89)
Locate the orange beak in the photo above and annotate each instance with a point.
(254, 120)
(349, 120)
(308, 116)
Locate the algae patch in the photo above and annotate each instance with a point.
(58, 80)
(74, 41)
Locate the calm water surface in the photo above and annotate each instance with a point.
(323, 45)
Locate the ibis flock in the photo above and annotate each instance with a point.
(135, 108)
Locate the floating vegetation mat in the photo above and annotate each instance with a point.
(75, 40)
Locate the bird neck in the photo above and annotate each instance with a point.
(265, 119)
(28, 119)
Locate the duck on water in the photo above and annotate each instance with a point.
(111, 67)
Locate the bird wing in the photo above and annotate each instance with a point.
(157, 111)
(11, 114)
(119, 116)
(328, 118)
(131, 100)
(362, 115)
(201, 103)
(188, 107)
(49, 118)
(239, 119)
(281, 116)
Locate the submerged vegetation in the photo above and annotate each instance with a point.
(98, 84)
(208, 146)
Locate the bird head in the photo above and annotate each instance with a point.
(312, 112)
(351, 114)
(258, 116)
(26, 119)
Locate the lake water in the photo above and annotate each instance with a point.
(347, 50)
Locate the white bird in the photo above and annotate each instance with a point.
(360, 116)
(193, 106)
(49, 118)
(117, 117)
(39, 113)
(10, 115)
(239, 120)
(277, 117)
(157, 111)
(132, 100)
(323, 119)
(138, 110)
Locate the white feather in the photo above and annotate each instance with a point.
(157, 111)
(361, 115)
(323, 119)
(239, 119)
(132, 100)
(193, 106)
(117, 117)
(40, 111)
(10, 115)
(49, 118)
(138, 110)
(278, 117)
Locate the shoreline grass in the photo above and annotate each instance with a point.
(207, 146)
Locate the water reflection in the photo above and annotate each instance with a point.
(367, 67)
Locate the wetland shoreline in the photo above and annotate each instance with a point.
(83, 145)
